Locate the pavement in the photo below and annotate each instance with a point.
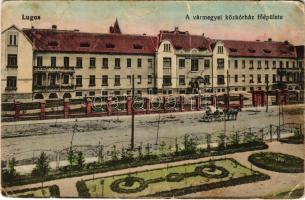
(278, 182)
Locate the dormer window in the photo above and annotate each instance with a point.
(53, 43)
(84, 44)
(220, 49)
(251, 50)
(109, 45)
(12, 40)
(267, 51)
(137, 46)
(233, 50)
(167, 47)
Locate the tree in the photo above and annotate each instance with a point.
(114, 154)
(10, 172)
(100, 154)
(148, 150)
(80, 160)
(140, 153)
(162, 148)
(208, 140)
(189, 143)
(176, 146)
(71, 157)
(42, 167)
(221, 141)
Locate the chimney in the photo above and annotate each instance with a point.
(269, 39)
(32, 27)
(144, 33)
(76, 30)
(54, 27)
(202, 34)
(286, 41)
(176, 29)
(257, 40)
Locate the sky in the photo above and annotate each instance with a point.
(138, 17)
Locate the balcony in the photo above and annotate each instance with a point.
(48, 88)
(53, 69)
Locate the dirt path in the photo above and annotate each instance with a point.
(277, 183)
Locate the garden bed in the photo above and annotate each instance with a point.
(277, 162)
(293, 139)
(171, 181)
(51, 191)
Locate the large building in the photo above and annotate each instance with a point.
(52, 63)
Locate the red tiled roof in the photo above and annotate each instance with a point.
(71, 41)
(182, 40)
(260, 49)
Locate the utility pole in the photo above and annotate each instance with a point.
(267, 95)
(132, 115)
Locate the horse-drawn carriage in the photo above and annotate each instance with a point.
(214, 114)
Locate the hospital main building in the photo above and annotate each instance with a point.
(53, 63)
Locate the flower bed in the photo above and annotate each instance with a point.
(277, 162)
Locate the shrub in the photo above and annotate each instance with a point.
(54, 191)
(82, 189)
(129, 181)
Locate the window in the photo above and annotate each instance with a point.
(266, 78)
(235, 64)
(220, 79)
(139, 92)
(300, 64)
(117, 63)
(117, 93)
(12, 60)
(287, 64)
(207, 79)
(79, 62)
(220, 63)
(149, 79)
(243, 64)
(167, 62)
(220, 49)
(78, 94)
(79, 80)
(117, 80)
(53, 61)
(104, 93)
(236, 89)
(181, 79)
(91, 93)
(259, 78)
(274, 78)
(150, 63)
(105, 63)
(129, 79)
(128, 62)
(39, 61)
(139, 79)
(167, 48)
(139, 62)
(273, 64)
(92, 80)
(251, 64)
(206, 63)
(11, 83)
(244, 78)
(104, 80)
(181, 91)
(236, 78)
(281, 64)
(181, 63)
(65, 79)
(251, 78)
(293, 64)
(92, 62)
(66, 61)
(13, 40)
(167, 80)
(266, 64)
(259, 64)
(194, 65)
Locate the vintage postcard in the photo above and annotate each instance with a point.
(152, 99)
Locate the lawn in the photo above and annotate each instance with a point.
(181, 180)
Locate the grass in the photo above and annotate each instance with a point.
(235, 171)
(294, 194)
(38, 192)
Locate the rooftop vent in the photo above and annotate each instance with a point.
(76, 30)
(269, 39)
(109, 45)
(53, 43)
(137, 46)
(84, 44)
(286, 41)
(54, 27)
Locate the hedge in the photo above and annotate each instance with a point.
(270, 161)
(54, 191)
(111, 166)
